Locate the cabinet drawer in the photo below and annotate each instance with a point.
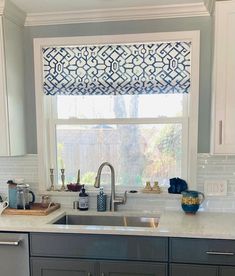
(99, 246)
(209, 251)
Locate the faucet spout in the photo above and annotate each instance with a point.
(113, 199)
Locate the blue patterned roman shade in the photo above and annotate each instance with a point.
(117, 69)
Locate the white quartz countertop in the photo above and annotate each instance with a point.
(171, 224)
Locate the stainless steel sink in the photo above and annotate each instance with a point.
(124, 221)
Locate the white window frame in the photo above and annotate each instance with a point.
(46, 124)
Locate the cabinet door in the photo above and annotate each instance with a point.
(223, 116)
(193, 270)
(14, 254)
(227, 271)
(132, 269)
(4, 127)
(61, 267)
(14, 60)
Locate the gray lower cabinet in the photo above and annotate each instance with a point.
(97, 255)
(109, 255)
(71, 267)
(193, 270)
(202, 251)
(91, 246)
(200, 270)
(14, 254)
(201, 257)
(107, 268)
(226, 271)
(62, 267)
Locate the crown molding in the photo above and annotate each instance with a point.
(14, 14)
(210, 4)
(121, 14)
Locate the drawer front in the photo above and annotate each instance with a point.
(205, 251)
(99, 246)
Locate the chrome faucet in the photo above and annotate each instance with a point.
(113, 199)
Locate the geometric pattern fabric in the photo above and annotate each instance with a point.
(132, 69)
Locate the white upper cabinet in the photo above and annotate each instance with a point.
(223, 108)
(12, 130)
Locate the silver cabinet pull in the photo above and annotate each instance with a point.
(102, 274)
(220, 132)
(220, 253)
(10, 243)
(89, 274)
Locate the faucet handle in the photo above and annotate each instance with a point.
(125, 197)
(121, 199)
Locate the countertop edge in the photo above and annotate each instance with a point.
(172, 224)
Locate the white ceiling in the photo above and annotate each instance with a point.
(42, 6)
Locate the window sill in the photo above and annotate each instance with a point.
(93, 193)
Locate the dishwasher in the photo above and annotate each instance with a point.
(14, 254)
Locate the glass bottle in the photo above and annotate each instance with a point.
(101, 200)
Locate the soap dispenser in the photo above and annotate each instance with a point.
(83, 201)
(101, 200)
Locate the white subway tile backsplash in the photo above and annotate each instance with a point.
(24, 167)
(208, 168)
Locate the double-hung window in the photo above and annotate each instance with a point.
(130, 100)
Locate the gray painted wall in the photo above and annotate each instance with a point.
(163, 25)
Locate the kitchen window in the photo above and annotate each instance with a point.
(146, 136)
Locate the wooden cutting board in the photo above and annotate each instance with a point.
(36, 210)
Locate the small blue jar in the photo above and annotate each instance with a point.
(101, 201)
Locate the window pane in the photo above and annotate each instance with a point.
(123, 106)
(138, 152)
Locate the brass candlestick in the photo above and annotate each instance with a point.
(52, 187)
(63, 180)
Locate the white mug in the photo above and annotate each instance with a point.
(3, 206)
